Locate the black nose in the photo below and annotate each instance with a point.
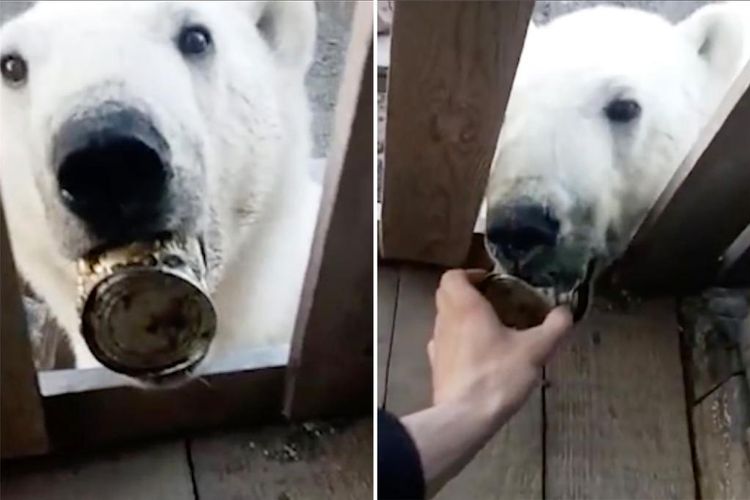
(113, 173)
(518, 228)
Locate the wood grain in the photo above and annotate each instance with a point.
(387, 295)
(409, 384)
(703, 208)
(330, 367)
(311, 461)
(91, 419)
(451, 72)
(510, 465)
(22, 428)
(148, 472)
(721, 423)
(710, 342)
(615, 409)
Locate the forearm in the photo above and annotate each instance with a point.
(448, 436)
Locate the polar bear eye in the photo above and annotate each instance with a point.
(623, 110)
(194, 40)
(14, 69)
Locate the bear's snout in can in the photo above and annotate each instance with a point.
(112, 167)
(144, 308)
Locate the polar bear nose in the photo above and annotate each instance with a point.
(112, 173)
(518, 228)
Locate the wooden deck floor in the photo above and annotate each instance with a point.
(610, 422)
(309, 461)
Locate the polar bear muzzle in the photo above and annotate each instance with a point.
(113, 169)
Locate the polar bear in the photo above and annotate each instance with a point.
(210, 99)
(606, 103)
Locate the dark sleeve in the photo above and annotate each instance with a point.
(399, 467)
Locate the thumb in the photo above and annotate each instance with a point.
(542, 341)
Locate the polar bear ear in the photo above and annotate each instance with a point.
(289, 28)
(716, 33)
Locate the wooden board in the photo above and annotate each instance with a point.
(22, 428)
(93, 418)
(330, 367)
(702, 210)
(735, 265)
(616, 417)
(510, 465)
(409, 385)
(387, 294)
(710, 340)
(310, 461)
(150, 472)
(452, 67)
(721, 424)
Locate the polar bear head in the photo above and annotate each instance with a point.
(605, 105)
(121, 121)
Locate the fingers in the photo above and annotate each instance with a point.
(542, 341)
(431, 352)
(457, 287)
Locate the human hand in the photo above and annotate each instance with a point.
(478, 361)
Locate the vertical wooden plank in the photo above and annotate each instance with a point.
(314, 460)
(714, 325)
(330, 369)
(510, 465)
(722, 435)
(616, 416)
(22, 427)
(735, 264)
(158, 471)
(387, 294)
(452, 67)
(703, 208)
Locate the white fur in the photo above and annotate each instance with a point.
(244, 116)
(556, 144)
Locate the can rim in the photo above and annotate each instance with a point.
(192, 359)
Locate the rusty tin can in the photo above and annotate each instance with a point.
(520, 305)
(144, 307)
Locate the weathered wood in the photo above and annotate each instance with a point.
(735, 265)
(22, 428)
(710, 330)
(451, 71)
(91, 419)
(151, 472)
(330, 370)
(615, 410)
(409, 385)
(721, 425)
(510, 465)
(387, 295)
(311, 461)
(703, 208)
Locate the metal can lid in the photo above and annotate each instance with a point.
(147, 321)
(516, 303)
(144, 311)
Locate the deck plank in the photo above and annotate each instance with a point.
(510, 465)
(722, 430)
(308, 461)
(150, 472)
(387, 294)
(615, 408)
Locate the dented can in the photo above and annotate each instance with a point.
(144, 307)
(520, 305)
